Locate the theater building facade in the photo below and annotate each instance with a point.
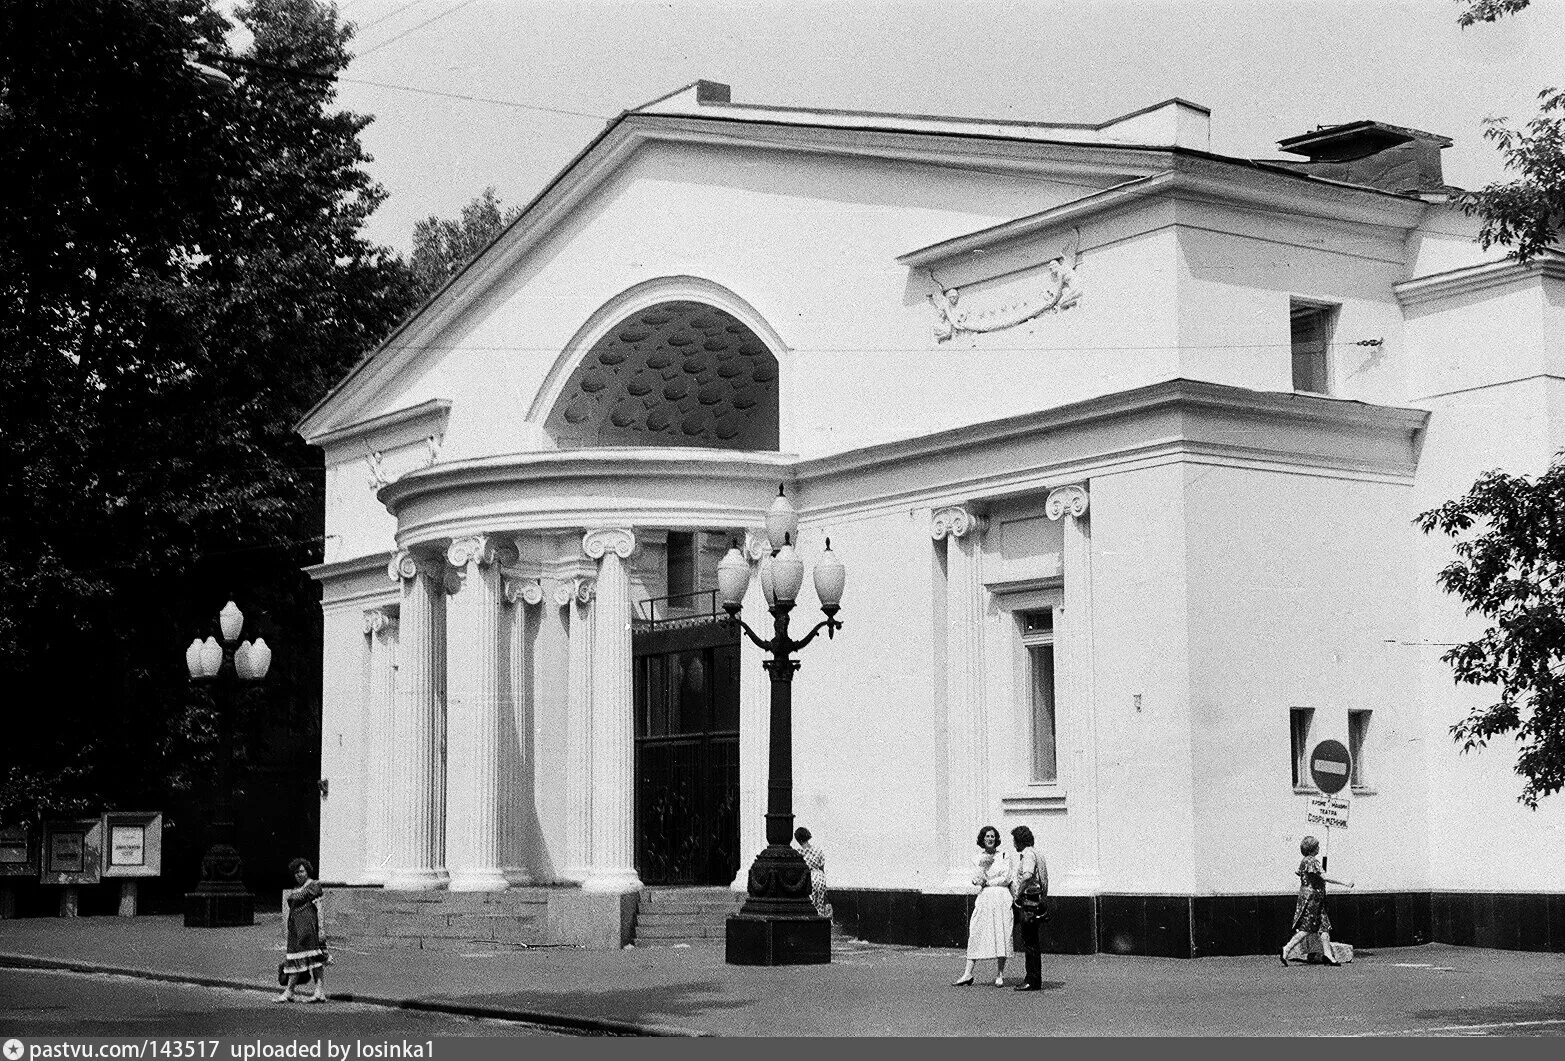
(1120, 440)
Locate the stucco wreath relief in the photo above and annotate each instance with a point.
(996, 304)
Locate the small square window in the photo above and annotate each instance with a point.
(1358, 737)
(1311, 328)
(1299, 721)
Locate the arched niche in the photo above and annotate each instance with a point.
(677, 372)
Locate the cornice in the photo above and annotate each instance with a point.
(1189, 178)
(1472, 278)
(432, 412)
(607, 464)
(358, 565)
(1191, 394)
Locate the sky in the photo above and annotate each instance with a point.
(471, 93)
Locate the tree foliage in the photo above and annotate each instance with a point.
(441, 246)
(182, 275)
(1511, 570)
(1527, 212)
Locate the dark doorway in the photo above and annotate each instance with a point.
(687, 751)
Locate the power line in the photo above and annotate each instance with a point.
(421, 25)
(391, 14)
(474, 99)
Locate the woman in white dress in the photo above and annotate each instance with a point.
(989, 930)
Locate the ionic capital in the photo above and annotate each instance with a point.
(956, 521)
(620, 540)
(580, 590)
(523, 591)
(475, 548)
(406, 565)
(756, 545)
(1067, 501)
(377, 620)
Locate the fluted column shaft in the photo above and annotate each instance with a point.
(613, 723)
(755, 690)
(967, 719)
(379, 709)
(576, 597)
(473, 701)
(418, 730)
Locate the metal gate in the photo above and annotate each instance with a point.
(687, 749)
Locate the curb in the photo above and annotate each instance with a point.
(546, 1019)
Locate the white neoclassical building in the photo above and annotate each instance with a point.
(1120, 440)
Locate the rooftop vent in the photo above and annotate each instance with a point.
(1388, 157)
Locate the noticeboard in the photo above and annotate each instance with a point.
(18, 852)
(133, 843)
(72, 851)
(1329, 811)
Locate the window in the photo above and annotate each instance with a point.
(1038, 638)
(1358, 735)
(1311, 326)
(1299, 720)
(681, 567)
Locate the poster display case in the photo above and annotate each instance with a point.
(133, 843)
(72, 851)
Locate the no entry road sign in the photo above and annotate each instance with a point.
(1330, 765)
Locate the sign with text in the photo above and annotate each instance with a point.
(72, 851)
(1328, 811)
(135, 843)
(17, 857)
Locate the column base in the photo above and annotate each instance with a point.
(612, 882)
(416, 880)
(219, 909)
(478, 880)
(760, 939)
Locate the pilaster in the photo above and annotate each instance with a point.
(1071, 504)
(967, 724)
(380, 625)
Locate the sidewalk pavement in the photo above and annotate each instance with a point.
(867, 989)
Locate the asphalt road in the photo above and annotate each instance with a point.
(52, 1004)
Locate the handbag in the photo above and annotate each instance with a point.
(1029, 906)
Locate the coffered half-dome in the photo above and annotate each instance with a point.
(678, 373)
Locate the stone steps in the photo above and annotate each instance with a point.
(436, 920)
(696, 916)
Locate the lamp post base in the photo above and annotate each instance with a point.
(765, 939)
(219, 909)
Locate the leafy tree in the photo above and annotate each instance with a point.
(182, 275)
(1512, 572)
(441, 246)
(1526, 213)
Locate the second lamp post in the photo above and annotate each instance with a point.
(778, 925)
(220, 898)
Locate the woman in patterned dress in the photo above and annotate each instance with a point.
(1309, 915)
(815, 858)
(989, 929)
(306, 957)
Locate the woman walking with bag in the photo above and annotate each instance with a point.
(989, 929)
(306, 956)
(1030, 887)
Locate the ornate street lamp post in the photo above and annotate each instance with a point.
(778, 924)
(220, 898)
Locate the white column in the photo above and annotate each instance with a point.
(473, 701)
(417, 796)
(967, 724)
(519, 837)
(1078, 702)
(613, 723)
(575, 597)
(755, 707)
(379, 709)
